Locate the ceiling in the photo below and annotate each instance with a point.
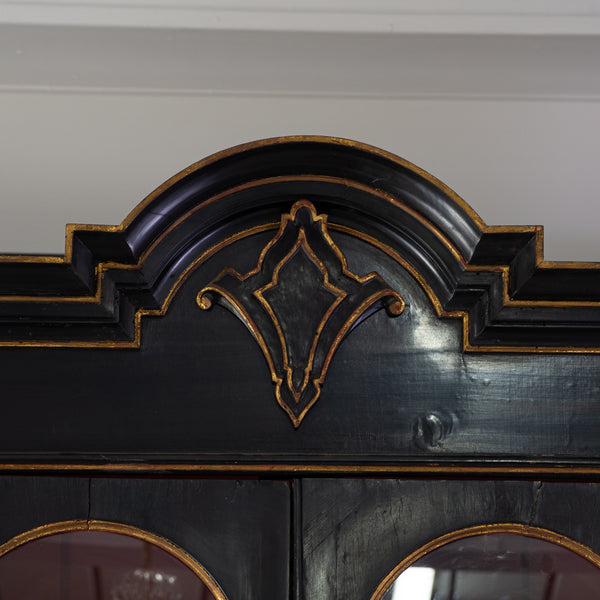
(102, 101)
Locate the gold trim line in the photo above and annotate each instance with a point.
(425, 470)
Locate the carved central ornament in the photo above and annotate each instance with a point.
(299, 303)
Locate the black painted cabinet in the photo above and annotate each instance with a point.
(238, 530)
(301, 361)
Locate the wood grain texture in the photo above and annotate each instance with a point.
(238, 530)
(27, 502)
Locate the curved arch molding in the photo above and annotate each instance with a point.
(119, 528)
(112, 277)
(492, 528)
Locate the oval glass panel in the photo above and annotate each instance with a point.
(97, 565)
(497, 566)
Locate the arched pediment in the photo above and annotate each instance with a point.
(112, 277)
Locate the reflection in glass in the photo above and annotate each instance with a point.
(499, 566)
(96, 565)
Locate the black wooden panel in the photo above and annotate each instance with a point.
(238, 530)
(199, 389)
(570, 509)
(355, 531)
(48, 278)
(27, 502)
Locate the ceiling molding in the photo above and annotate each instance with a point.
(277, 93)
(119, 60)
(524, 17)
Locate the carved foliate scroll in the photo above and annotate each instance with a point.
(299, 303)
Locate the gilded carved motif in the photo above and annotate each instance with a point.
(299, 303)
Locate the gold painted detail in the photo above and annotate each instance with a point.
(523, 471)
(299, 303)
(120, 528)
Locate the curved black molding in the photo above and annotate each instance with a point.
(493, 277)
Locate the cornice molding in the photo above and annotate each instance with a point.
(97, 61)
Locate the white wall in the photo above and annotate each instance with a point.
(94, 118)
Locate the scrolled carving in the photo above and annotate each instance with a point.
(299, 303)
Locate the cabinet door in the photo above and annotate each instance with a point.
(355, 532)
(237, 530)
